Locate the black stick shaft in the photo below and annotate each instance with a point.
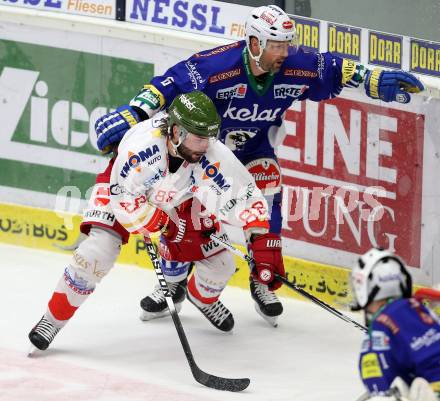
(294, 287)
(168, 298)
(322, 304)
(216, 382)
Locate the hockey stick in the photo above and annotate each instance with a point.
(322, 304)
(208, 380)
(294, 287)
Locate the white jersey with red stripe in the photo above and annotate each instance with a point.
(141, 181)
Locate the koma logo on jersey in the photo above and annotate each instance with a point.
(136, 158)
(212, 171)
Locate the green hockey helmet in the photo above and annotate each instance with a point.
(196, 113)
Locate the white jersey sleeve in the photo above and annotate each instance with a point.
(140, 164)
(228, 190)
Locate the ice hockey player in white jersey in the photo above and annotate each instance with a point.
(171, 175)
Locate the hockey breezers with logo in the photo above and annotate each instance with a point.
(208, 380)
(294, 287)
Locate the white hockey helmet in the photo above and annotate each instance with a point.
(379, 274)
(269, 23)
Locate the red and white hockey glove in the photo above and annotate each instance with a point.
(157, 219)
(266, 251)
(191, 226)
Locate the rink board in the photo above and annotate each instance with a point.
(59, 231)
(357, 173)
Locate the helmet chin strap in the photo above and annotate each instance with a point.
(257, 58)
(175, 146)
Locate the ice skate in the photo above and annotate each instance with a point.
(42, 335)
(154, 306)
(267, 304)
(32, 351)
(217, 313)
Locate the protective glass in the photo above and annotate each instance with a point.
(279, 48)
(195, 142)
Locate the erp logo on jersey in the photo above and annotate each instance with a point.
(283, 91)
(237, 91)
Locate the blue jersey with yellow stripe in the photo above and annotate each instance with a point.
(403, 340)
(251, 111)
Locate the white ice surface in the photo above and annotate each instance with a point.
(106, 353)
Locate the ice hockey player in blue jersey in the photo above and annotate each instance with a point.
(252, 82)
(400, 356)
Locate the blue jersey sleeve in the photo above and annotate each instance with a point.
(183, 77)
(328, 79)
(327, 74)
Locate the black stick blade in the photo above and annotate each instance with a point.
(220, 383)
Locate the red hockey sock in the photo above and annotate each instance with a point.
(195, 293)
(60, 307)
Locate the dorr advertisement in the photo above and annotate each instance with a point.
(308, 31)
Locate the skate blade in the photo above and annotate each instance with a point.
(146, 316)
(272, 320)
(32, 351)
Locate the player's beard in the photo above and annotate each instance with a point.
(274, 67)
(189, 155)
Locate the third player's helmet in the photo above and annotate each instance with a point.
(195, 112)
(379, 274)
(269, 23)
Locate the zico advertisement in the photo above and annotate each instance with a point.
(353, 177)
(50, 99)
(92, 8)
